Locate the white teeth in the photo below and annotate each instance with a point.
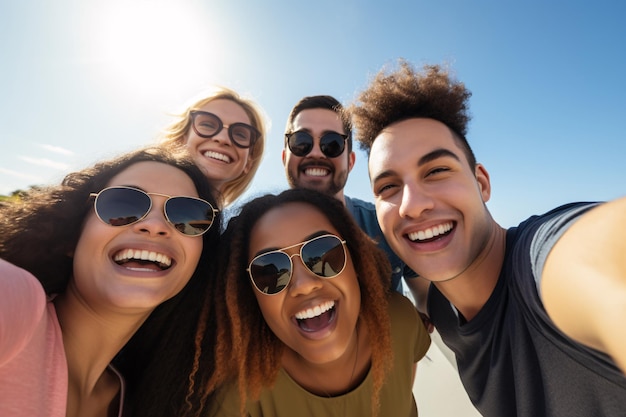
(142, 255)
(315, 311)
(216, 155)
(316, 172)
(431, 232)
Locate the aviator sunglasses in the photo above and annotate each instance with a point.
(271, 272)
(122, 206)
(207, 125)
(301, 143)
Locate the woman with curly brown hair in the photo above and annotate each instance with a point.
(113, 259)
(314, 329)
(224, 133)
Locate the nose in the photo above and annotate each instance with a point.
(222, 135)
(415, 201)
(155, 223)
(316, 151)
(303, 281)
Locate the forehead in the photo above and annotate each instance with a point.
(227, 109)
(156, 177)
(287, 225)
(407, 141)
(317, 120)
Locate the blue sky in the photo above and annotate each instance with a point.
(85, 80)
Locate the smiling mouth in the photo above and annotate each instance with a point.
(317, 318)
(216, 155)
(430, 234)
(142, 260)
(316, 172)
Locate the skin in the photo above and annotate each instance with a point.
(105, 303)
(422, 183)
(334, 170)
(321, 361)
(583, 285)
(421, 180)
(225, 161)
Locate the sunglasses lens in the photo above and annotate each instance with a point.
(324, 256)
(300, 143)
(206, 124)
(332, 144)
(189, 216)
(271, 272)
(121, 206)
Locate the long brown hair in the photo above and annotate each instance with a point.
(246, 341)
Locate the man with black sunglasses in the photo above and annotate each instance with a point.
(318, 155)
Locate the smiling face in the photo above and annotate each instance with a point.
(220, 160)
(316, 171)
(429, 202)
(112, 267)
(315, 317)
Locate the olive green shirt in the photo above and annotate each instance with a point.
(286, 398)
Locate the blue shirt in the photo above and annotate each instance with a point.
(364, 213)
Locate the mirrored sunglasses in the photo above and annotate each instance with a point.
(122, 206)
(301, 143)
(271, 272)
(207, 125)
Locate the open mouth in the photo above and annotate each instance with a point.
(216, 155)
(316, 172)
(142, 260)
(431, 234)
(317, 318)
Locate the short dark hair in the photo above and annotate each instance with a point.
(321, 102)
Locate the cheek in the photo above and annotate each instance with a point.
(194, 249)
(384, 215)
(270, 309)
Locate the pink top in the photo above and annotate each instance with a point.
(33, 368)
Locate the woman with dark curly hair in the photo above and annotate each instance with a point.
(105, 258)
(313, 329)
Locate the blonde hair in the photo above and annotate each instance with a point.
(175, 134)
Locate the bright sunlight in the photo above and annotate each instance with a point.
(152, 47)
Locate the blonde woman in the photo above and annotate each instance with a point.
(224, 133)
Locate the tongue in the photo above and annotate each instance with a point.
(316, 323)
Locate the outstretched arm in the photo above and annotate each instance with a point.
(584, 280)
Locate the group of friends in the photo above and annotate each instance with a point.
(124, 291)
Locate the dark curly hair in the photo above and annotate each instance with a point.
(39, 232)
(406, 93)
(247, 348)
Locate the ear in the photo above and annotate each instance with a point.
(249, 163)
(482, 179)
(351, 160)
(283, 156)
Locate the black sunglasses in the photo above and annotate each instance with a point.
(121, 206)
(207, 125)
(301, 143)
(271, 272)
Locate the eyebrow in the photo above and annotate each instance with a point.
(131, 186)
(429, 157)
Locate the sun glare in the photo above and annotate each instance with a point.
(153, 47)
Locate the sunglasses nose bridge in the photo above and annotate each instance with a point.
(303, 280)
(155, 221)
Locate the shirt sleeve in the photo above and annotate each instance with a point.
(22, 305)
(549, 233)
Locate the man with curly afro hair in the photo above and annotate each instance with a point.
(534, 313)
